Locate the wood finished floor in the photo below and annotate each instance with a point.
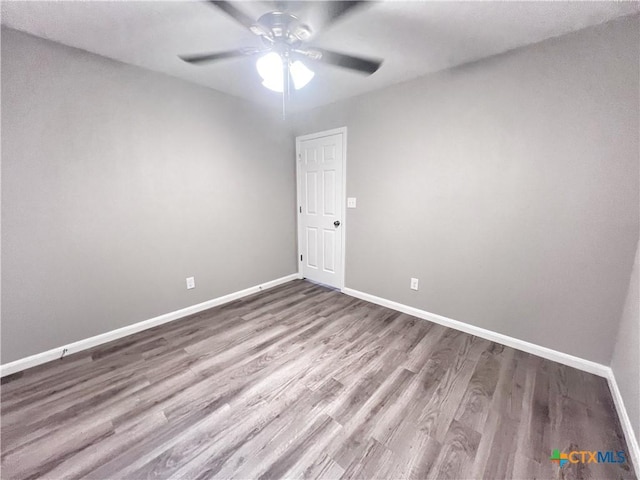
(304, 382)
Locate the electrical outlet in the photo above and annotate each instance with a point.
(191, 283)
(414, 284)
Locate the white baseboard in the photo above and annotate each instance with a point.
(544, 352)
(55, 353)
(625, 421)
(560, 357)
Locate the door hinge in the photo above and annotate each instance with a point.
(300, 209)
(300, 257)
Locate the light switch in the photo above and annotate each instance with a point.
(351, 202)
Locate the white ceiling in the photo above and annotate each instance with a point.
(413, 38)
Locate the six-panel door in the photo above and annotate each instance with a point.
(320, 171)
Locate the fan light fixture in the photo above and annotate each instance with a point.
(270, 69)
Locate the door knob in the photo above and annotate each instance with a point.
(336, 223)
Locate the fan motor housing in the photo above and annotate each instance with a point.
(283, 27)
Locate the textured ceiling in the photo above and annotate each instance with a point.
(413, 38)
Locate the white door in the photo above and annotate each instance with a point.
(321, 193)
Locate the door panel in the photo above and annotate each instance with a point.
(329, 191)
(312, 193)
(312, 247)
(328, 242)
(321, 193)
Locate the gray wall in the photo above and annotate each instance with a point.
(626, 355)
(117, 183)
(509, 187)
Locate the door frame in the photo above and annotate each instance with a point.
(343, 195)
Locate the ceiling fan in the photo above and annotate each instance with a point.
(284, 37)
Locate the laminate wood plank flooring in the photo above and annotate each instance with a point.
(301, 381)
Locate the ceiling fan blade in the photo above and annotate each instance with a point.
(337, 9)
(319, 14)
(210, 57)
(240, 17)
(359, 64)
